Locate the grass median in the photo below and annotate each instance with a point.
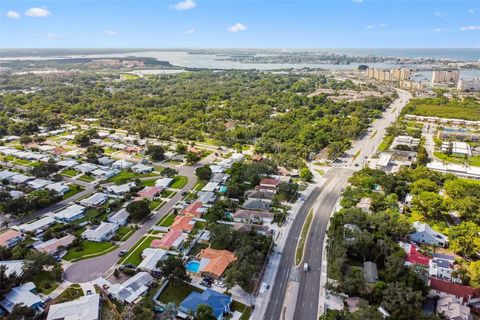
(303, 238)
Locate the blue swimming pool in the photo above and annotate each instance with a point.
(193, 266)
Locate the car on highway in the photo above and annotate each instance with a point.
(305, 267)
(122, 253)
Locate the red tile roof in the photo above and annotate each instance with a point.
(8, 235)
(455, 289)
(167, 241)
(183, 223)
(149, 192)
(417, 258)
(219, 260)
(269, 182)
(193, 209)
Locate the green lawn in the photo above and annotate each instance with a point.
(156, 204)
(179, 182)
(197, 248)
(70, 173)
(166, 221)
(71, 293)
(190, 196)
(473, 161)
(455, 109)
(176, 294)
(44, 282)
(126, 175)
(386, 142)
(167, 193)
(123, 233)
(133, 256)
(200, 185)
(74, 189)
(88, 248)
(90, 214)
(86, 178)
(149, 182)
(303, 237)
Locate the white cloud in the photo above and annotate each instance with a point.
(54, 36)
(237, 27)
(375, 26)
(471, 11)
(37, 12)
(370, 27)
(440, 14)
(470, 28)
(184, 5)
(438, 29)
(358, 1)
(13, 14)
(111, 33)
(189, 31)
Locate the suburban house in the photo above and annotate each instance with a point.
(133, 288)
(13, 267)
(149, 192)
(67, 163)
(58, 187)
(210, 187)
(213, 262)
(261, 195)
(195, 209)
(370, 272)
(216, 169)
(413, 256)
(206, 197)
(247, 227)
(37, 226)
(94, 200)
(253, 204)
(150, 258)
(268, 185)
(461, 294)
(38, 183)
(54, 246)
(10, 238)
(441, 266)
(121, 189)
(104, 173)
(122, 164)
(20, 178)
(71, 213)
(141, 168)
(251, 216)
(425, 234)
(220, 303)
(183, 223)
(219, 177)
(86, 167)
(171, 240)
(5, 174)
(83, 308)
(163, 182)
(105, 161)
(23, 294)
(120, 217)
(103, 232)
(451, 309)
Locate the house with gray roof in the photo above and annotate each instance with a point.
(424, 234)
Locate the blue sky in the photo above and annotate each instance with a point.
(240, 23)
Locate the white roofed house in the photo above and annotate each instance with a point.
(122, 164)
(251, 216)
(23, 294)
(104, 173)
(120, 217)
(83, 308)
(58, 187)
(86, 167)
(71, 213)
(452, 309)
(20, 178)
(13, 267)
(210, 187)
(105, 161)
(38, 183)
(67, 163)
(121, 189)
(150, 258)
(5, 174)
(424, 234)
(103, 232)
(163, 182)
(38, 226)
(133, 288)
(94, 200)
(141, 168)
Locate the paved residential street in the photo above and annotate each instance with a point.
(305, 298)
(91, 269)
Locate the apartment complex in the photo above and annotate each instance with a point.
(445, 76)
(468, 85)
(388, 75)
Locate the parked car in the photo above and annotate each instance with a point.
(89, 292)
(305, 267)
(122, 253)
